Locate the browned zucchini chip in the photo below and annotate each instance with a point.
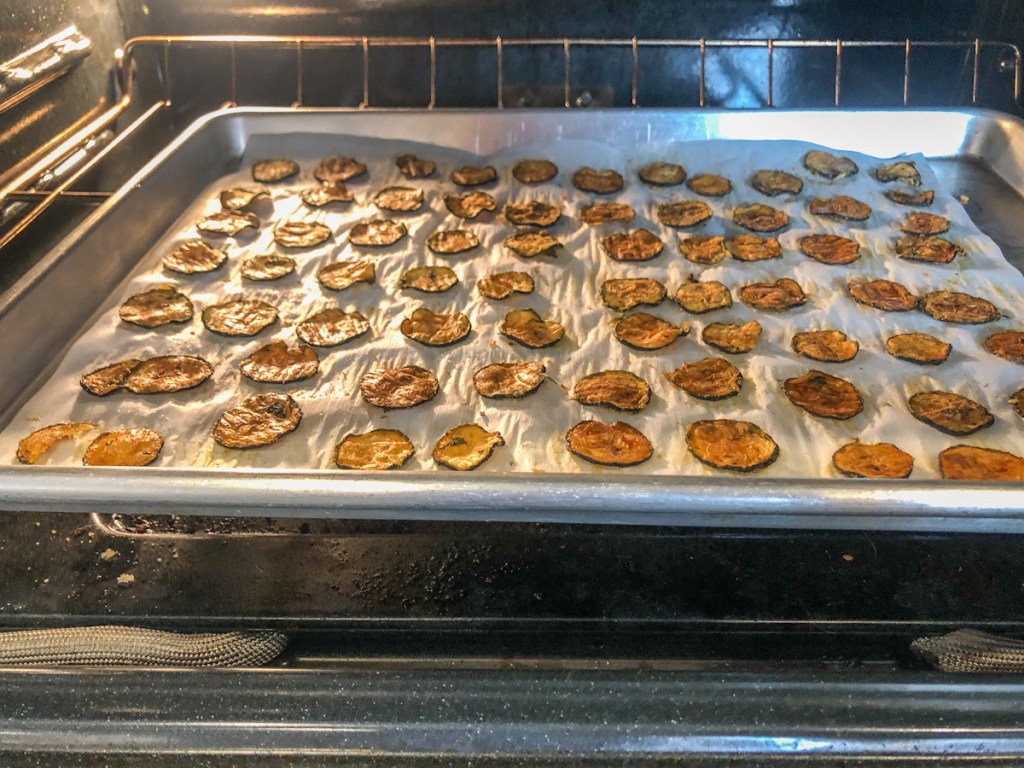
(260, 420)
(842, 207)
(604, 182)
(452, 241)
(734, 339)
(168, 373)
(710, 185)
(267, 266)
(698, 297)
(824, 395)
(774, 183)
(472, 176)
(157, 306)
(612, 445)
(703, 250)
(760, 218)
(730, 444)
(277, 169)
(228, 222)
(638, 245)
(684, 213)
(466, 447)
(109, 378)
(325, 194)
(435, 329)
(643, 331)
(621, 390)
(529, 329)
(918, 348)
(599, 213)
(501, 285)
(331, 327)
(399, 199)
(626, 293)
(830, 249)
(338, 168)
(242, 317)
(882, 294)
(301, 234)
(1008, 345)
(534, 171)
(949, 412)
(343, 274)
(33, 447)
(193, 257)
(873, 460)
(923, 223)
(778, 296)
(533, 213)
(662, 174)
(902, 170)
(922, 198)
(470, 205)
(753, 248)
(376, 450)
(829, 166)
(969, 462)
(240, 198)
(935, 250)
(1017, 401)
(124, 448)
(398, 387)
(277, 363)
(508, 380)
(413, 167)
(531, 244)
(825, 346)
(712, 378)
(377, 233)
(433, 279)
(955, 307)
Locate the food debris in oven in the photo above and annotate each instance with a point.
(501, 285)
(621, 390)
(825, 346)
(530, 329)
(902, 171)
(731, 444)
(922, 223)
(710, 185)
(433, 279)
(920, 348)
(413, 167)
(842, 207)
(1008, 345)
(638, 245)
(873, 460)
(267, 266)
(35, 446)
(956, 307)
(684, 213)
(377, 233)
(601, 213)
(135, 447)
(923, 198)
(109, 378)
(332, 327)
(773, 183)
(698, 297)
(712, 378)
(301, 234)
(274, 170)
(241, 317)
(344, 274)
(259, 421)
(470, 205)
(158, 306)
(452, 241)
(394, 388)
(970, 462)
(399, 199)
(830, 249)
(435, 329)
(277, 363)
(167, 373)
(824, 395)
(240, 198)
(500, 381)
(604, 182)
(466, 447)
(227, 222)
(753, 248)
(935, 250)
(625, 293)
(534, 171)
(777, 296)
(325, 194)
(531, 244)
(829, 166)
(640, 330)
(662, 174)
(703, 249)
(611, 445)
(194, 257)
(885, 295)
(760, 218)
(733, 339)
(338, 168)
(379, 449)
(534, 213)
(473, 176)
(949, 412)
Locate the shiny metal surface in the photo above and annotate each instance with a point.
(31, 70)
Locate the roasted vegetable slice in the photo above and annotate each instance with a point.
(534, 171)
(399, 199)
(452, 241)
(699, 297)
(883, 294)
(824, 395)
(904, 171)
(228, 222)
(473, 176)
(376, 450)
(124, 448)
(949, 412)
(194, 257)
(343, 274)
(267, 266)
(466, 447)
(712, 378)
(638, 245)
(413, 167)
(277, 363)
(168, 373)
(643, 331)
(157, 306)
(338, 168)
(955, 307)
(33, 447)
(277, 169)
(778, 296)
(242, 317)
(325, 194)
(605, 182)
(530, 330)
(918, 348)
(508, 380)
(922, 198)
(710, 185)
(968, 462)
(531, 244)
(599, 213)
(935, 250)
(626, 293)
(240, 198)
(873, 460)
(734, 339)
(612, 445)
(501, 285)
(398, 387)
(1008, 345)
(774, 183)
(331, 327)
(829, 166)
(533, 213)
(109, 378)
(621, 390)
(753, 248)
(842, 207)
(259, 420)
(377, 233)
(1017, 401)
(830, 249)
(662, 174)
(434, 279)
(435, 329)
(684, 213)
(470, 204)
(301, 234)
(760, 218)
(922, 223)
(825, 346)
(703, 250)
(730, 444)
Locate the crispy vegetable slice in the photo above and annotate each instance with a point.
(529, 329)
(824, 395)
(703, 250)
(338, 168)
(377, 233)
(955, 307)
(109, 378)
(470, 204)
(534, 171)
(830, 249)
(753, 248)
(604, 182)
(774, 183)
(501, 285)
(157, 306)
(698, 297)
(531, 244)
(662, 174)
(242, 317)
(33, 447)
(918, 348)
(684, 213)
(331, 327)
(904, 171)
(466, 447)
(626, 293)
(267, 266)
(413, 167)
(194, 257)
(325, 194)
(621, 390)
(452, 241)
(277, 363)
(638, 245)
(376, 450)
(730, 444)
(922, 198)
(778, 296)
(643, 331)
(825, 346)
(923, 223)
(276, 169)
(712, 378)
(435, 329)
(472, 176)
(882, 294)
(509, 380)
(760, 218)
(167, 373)
(433, 279)
(842, 207)
(829, 166)
(969, 462)
(1017, 401)
(398, 387)
(533, 213)
(240, 198)
(734, 339)
(399, 199)
(259, 420)
(949, 412)
(710, 185)
(301, 234)
(873, 460)
(124, 448)
(343, 274)
(1008, 345)
(601, 212)
(612, 445)
(935, 250)
(228, 222)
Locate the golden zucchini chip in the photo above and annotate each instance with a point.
(684, 213)
(228, 222)
(825, 346)
(968, 462)
(605, 182)
(193, 257)
(1008, 345)
(531, 244)
(599, 213)
(433, 279)
(399, 199)
(124, 448)
(529, 329)
(413, 167)
(109, 378)
(621, 390)
(774, 183)
(267, 266)
(470, 205)
(760, 218)
(824, 395)
(338, 168)
(343, 274)
(710, 185)
(533, 213)
(240, 198)
(1017, 401)
(829, 166)
(325, 194)
(612, 445)
(873, 460)
(949, 412)
(955, 307)
(472, 176)
(643, 331)
(626, 293)
(842, 207)
(934, 250)
(331, 327)
(277, 363)
(923, 198)
(698, 297)
(734, 339)
(277, 169)
(242, 317)
(662, 174)
(712, 378)
(753, 248)
(394, 388)
(260, 420)
(168, 373)
(830, 249)
(435, 329)
(918, 348)
(452, 241)
(376, 450)
(778, 296)
(922, 223)
(377, 233)
(501, 285)
(534, 171)
(882, 294)
(703, 250)
(157, 306)
(32, 448)
(730, 444)
(902, 170)
(301, 234)
(466, 447)
(638, 245)
(508, 380)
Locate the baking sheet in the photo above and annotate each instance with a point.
(567, 291)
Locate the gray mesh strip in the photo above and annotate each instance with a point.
(968, 650)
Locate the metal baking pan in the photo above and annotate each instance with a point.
(979, 154)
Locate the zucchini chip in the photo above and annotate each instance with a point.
(611, 445)
(338, 168)
(600, 213)
(934, 250)
(501, 381)
(621, 390)
(699, 297)
(712, 378)
(529, 329)
(626, 293)
(760, 218)
(684, 213)
(157, 306)
(466, 447)
(376, 450)
(922, 223)
(124, 448)
(710, 185)
(242, 317)
(873, 460)
(240, 198)
(605, 182)
(753, 248)
(168, 373)
(902, 171)
(377, 233)
(531, 244)
(824, 395)
(969, 462)
(228, 222)
(432, 279)
(260, 420)
(703, 250)
(955, 307)
(472, 176)
(343, 274)
(923, 198)
(33, 447)
(774, 183)
(399, 199)
(1017, 401)
(949, 412)
(277, 363)
(533, 213)
(394, 388)
(331, 327)
(830, 249)
(733, 339)
(194, 257)
(109, 378)
(918, 348)
(470, 204)
(638, 245)
(267, 266)
(413, 167)
(301, 234)
(452, 241)
(501, 285)
(1008, 345)
(842, 207)
(882, 294)
(325, 194)
(647, 332)
(662, 174)
(825, 346)
(829, 166)
(277, 169)
(778, 296)
(730, 444)
(534, 171)
(434, 329)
